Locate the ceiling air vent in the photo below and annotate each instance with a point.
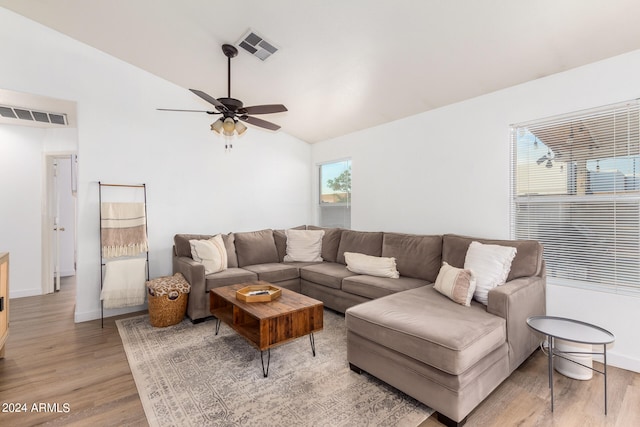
(256, 45)
(32, 115)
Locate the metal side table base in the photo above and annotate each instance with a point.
(574, 331)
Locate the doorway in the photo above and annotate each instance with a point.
(59, 227)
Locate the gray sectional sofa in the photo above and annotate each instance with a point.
(403, 331)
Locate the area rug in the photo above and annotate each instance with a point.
(188, 376)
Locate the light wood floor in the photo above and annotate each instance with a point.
(50, 359)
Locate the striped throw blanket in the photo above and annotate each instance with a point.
(123, 229)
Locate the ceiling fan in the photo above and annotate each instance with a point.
(232, 110)
(548, 158)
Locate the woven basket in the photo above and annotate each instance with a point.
(167, 297)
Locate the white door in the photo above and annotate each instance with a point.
(66, 216)
(59, 260)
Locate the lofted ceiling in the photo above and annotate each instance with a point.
(346, 65)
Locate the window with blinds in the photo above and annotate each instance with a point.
(335, 194)
(576, 189)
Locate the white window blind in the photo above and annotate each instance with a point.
(335, 194)
(576, 189)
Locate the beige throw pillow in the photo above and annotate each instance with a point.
(371, 265)
(211, 253)
(304, 245)
(490, 264)
(456, 283)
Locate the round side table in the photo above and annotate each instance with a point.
(574, 331)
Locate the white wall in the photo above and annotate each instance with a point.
(192, 185)
(447, 171)
(21, 181)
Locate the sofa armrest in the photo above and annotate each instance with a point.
(515, 301)
(193, 272)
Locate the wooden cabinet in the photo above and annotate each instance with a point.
(4, 300)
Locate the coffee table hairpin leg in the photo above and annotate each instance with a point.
(313, 344)
(265, 370)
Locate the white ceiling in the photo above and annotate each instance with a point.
(346, 65)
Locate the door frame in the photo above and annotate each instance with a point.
(48, 234)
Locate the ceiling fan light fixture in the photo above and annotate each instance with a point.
(240, 128)
(228, 126)
(216, 126)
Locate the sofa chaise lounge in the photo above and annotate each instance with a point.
(400, 330)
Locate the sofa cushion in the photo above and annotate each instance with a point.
(416, 256)
(182, 244)
(456, 283)
(490, 265)
(375, 287)
(427, 326)
(274, 272)
(230, 245)
(330, 242)
(327, 274)
(371, 265)
(300, 265)
(280, 238)
(364, 242)
(527, 262)
(230, 276)
(304, 245)
(183, 247)
(256, 247)
(211, 253)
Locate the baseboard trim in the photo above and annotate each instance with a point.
(87, 316)
(24, 293)
(621, 361)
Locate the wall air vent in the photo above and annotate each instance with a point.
(32, 115)
(256, 45)
(23, 114)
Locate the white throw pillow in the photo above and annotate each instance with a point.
(211, 253)
(371, 265)
(456, 283)
(304, 245)
(490, 264)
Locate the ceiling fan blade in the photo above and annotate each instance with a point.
(259, 122)
(189, 111)
(210, 99)
(263, 109)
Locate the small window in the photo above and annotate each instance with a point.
(335, 194)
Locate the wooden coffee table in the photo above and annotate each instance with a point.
(267, 324)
